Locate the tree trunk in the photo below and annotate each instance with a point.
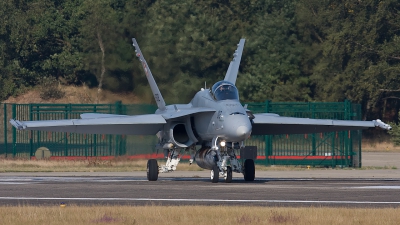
(103, 68)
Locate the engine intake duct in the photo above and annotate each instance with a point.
(179, 134)
(206, 158)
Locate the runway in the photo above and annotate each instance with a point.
(194, 188)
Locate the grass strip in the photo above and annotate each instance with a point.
(176, 215)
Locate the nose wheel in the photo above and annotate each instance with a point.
(215, 174)
(228, 175)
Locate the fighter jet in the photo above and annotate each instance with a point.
(210, 128)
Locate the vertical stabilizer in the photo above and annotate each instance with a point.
(154, 88)
(233, 69)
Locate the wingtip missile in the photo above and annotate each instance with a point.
(379, 123)
(17, 124)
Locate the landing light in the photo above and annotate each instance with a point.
(222, 143)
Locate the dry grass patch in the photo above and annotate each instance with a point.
(90, 165)
(77, 95)
(184, 215)
(374, 146)
(124, 164)
(119, 164)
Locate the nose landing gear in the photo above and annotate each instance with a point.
(226, 162)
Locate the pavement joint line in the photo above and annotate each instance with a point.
(199, 200)
(127, 179)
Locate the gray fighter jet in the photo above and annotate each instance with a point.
(214, 119)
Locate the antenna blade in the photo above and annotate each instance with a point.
(154, 88)
(233, 69)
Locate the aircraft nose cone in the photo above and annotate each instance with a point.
(243, 131)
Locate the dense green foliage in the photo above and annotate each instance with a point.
(301, 50)
(395, 134)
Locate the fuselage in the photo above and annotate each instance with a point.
(229, 122)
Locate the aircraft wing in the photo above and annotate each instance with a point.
(270, 124)
(148, 124)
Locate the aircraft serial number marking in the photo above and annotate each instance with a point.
(157, 97)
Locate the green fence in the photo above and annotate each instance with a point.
(322, 149)
(25, 143)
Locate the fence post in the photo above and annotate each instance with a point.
(86, 145)
(94, 152)
(37, 110)
(5, 129)
(66, 110)
(348, 139)
(267, 106)
(359, 133)
(31, 131)
(359, 149)
(267, 139)
(314, 141)
(118, 107)
(14, 131)
(118, 138)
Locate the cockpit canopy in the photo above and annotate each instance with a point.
(224, 90)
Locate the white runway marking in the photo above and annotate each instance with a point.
(66, 179)
(379, 187)
(11, 183)
(198, 200)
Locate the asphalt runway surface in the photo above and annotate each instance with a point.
(111, 190)
(314, 187)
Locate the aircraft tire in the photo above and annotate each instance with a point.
(152, 170)
(215, 174)
(228, 177)
(249, 170)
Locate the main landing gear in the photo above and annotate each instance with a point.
(172, 162)
(152, 170)
(249, 170)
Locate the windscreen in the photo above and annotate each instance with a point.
(224, 90)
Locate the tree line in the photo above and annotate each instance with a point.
(296, 50)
